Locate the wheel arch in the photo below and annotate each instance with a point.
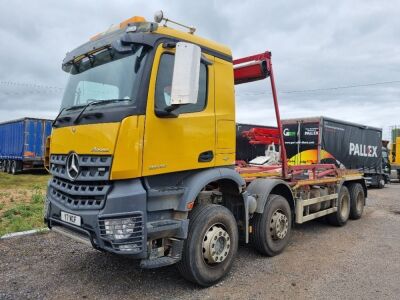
(194, 184)
(262, 188)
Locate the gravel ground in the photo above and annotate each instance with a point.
(358, 261)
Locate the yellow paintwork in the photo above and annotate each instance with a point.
(83, 138)
(174, 144)
(127, 161)
(394, 153)
(193, 38)
(149, 145)
(224, 113)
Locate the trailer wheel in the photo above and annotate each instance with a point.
(340, 217)
(9, 163)
(211, 245)
(357, 200)
(381, 182)
(272, 228)
(13, 167)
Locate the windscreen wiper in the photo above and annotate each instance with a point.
(60, 113)
(96, 102)
(55, 120)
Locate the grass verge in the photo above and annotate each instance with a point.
(21, 202)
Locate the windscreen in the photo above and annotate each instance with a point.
(103, 76)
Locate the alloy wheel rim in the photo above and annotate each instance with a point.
(216, 244)
(279, 225)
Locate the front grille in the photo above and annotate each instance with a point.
(88, 190)
(92, 167)
(132, 225)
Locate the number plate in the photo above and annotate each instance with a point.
(70, 218)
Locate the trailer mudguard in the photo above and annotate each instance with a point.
(195, 183)
(261, 188)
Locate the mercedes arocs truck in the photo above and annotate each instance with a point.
(142, 156)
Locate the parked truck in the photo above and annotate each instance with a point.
(142, 156)
(22, 144)
(394, 155)
(348, 145)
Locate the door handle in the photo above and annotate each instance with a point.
(206, 156)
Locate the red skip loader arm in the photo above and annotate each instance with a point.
(258, 67)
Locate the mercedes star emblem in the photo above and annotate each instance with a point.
(72, 166)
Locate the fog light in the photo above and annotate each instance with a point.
(119, 229)
(128, 247)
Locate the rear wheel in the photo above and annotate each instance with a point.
(9, 164)
(272, 228)
(211, 245)
(357, 200)
(340, 217)
(381, 182)
(14, 167)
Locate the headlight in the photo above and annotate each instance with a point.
(119, 229)
(124, 234)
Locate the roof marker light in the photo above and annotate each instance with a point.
(131, 28)
(135, 19)
(122, 25)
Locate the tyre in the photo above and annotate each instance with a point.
(381, 182)
(9, 163)
(1, 165)
(211, 245)
(340, 217)
(5, 166)
(357, 200)
(272, 228)
(13, 167)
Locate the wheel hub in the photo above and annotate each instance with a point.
(279, 225)
(216, 244)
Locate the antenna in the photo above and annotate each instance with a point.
(159, 16)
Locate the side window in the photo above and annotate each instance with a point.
(164, 82)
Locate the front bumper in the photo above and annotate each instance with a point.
(127, 199)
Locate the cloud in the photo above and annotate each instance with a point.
(314, 45)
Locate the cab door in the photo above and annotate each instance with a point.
(185, 142)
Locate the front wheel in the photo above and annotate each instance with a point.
(272, 228)
(211, 245)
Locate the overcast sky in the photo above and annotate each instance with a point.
(315, 45)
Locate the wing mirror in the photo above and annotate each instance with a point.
(185, 79)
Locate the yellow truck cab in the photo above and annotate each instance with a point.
(394, 153)
(142, 157)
